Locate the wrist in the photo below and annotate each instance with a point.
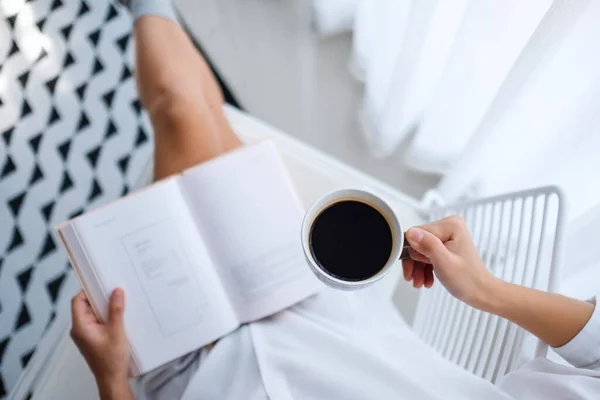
(489, 294)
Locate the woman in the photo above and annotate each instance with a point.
(335, 345)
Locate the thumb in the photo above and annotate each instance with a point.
(116, 310)
(428, 244)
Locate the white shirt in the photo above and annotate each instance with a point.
(354, 345)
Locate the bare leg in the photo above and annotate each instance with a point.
(182, 97)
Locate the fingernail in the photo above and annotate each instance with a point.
(118, 293)
(415, 235)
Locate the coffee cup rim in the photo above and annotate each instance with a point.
(358, 195)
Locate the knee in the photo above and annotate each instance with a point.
(164, 92)
(173, 109)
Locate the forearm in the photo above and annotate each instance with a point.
(114, 390)
(553, 318)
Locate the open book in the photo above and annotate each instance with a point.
(197, 254)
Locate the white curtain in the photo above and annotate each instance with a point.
(333, 16)
(495, 96)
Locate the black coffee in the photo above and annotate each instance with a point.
(351, 240)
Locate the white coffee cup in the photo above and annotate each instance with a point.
(399, 245)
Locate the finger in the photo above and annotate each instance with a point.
(415, 255)
(429, 245)
(407, 268)
(445, 228)
(429, 278)
(116, 310)
(78, 307)
(88, 308)
(418, 275)
(85, 312)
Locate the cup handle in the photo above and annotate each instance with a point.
(405, 255)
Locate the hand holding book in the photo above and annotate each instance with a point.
(104, 346)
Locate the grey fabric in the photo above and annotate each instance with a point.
(170, 380)
(160, 8)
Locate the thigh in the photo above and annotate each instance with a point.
(188, 131)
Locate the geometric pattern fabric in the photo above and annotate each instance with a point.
(72, 136)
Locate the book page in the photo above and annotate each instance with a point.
(147, 243)
(247, 211)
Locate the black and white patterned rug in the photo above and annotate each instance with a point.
(72, 136)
